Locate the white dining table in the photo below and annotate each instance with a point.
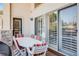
(27, 42)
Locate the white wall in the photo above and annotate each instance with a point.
(23, 10)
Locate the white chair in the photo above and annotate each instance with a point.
(18, 51)
(40, 49)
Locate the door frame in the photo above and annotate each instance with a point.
(41, 18)
(14, 18)
(60, 31)
(77, 29)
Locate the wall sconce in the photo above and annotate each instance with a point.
(31, 19)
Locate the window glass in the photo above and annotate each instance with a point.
(68, 30)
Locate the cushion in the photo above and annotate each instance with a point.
(43, 44)
(38, 44)
(32, 36)
(38, 37)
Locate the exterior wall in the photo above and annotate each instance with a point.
(23, 11)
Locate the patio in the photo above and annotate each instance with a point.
(46, 29)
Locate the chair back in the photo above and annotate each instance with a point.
(32, 36)
(19, 35)
(38, 37)
(16, 43)
(18, 51)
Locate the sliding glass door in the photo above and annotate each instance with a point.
(68, 30)
(63, 30)
(53, 22)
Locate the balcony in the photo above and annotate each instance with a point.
(30, 28)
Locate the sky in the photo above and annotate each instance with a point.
(1, 6)
(69, 15)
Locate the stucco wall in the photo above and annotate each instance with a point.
(23, 11)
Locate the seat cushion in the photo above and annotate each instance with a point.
(38, 44)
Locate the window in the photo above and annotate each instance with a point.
(68, 30)
(39, 25)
